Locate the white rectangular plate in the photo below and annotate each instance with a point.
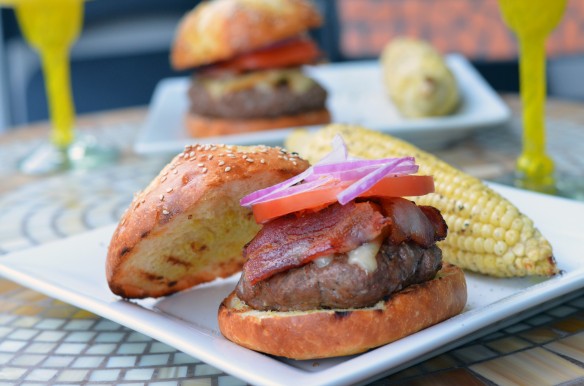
(356, 95)
(72, 270)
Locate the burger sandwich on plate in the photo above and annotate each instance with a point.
(247, 57)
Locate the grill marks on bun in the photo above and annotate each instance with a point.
(187, 226)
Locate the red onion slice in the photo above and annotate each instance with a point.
(356, 174)
(264, 194)
(336, 167)
(338, 154)
(296, 189)
(359, 163)
(364, 184)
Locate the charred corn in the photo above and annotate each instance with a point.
(486, 233)
(417, 79)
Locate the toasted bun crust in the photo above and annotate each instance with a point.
(199, 126)
(328, 333)
(187, 226)
(220, 29)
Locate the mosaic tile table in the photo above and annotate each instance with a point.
(44, 341)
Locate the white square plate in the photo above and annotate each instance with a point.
(356, 95)
(72, 270)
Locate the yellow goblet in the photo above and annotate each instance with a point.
(51, 27)
(532, 21)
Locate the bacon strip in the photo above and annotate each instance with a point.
(435, 217)
(292, 241)
(422, 224)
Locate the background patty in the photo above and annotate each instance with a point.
(256, 102)
(343, 285)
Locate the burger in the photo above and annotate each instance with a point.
(247, 57)
(333, 260)
(342, 263)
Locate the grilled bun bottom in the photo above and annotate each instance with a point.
(329, 333)
(199, 126)
(187, 226)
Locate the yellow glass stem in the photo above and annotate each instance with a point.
(51, 26)
(58, 84)
(534, 165)
(532, 21)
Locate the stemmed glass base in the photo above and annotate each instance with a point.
(83, 153)
(565, 185)
(570, 186)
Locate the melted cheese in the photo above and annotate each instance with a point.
(364, 255)
(261, 80)
(323, 261)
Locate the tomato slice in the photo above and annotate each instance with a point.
(290, 53)
(315, 199)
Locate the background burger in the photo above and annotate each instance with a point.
(247, 56)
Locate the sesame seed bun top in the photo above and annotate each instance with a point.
(187, 226)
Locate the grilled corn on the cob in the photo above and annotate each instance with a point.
(486, 233)
(418, 80)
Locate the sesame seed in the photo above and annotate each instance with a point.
(294, 163)
(161, 197)
(263, 161)
(165, 173)
(210, 157)
(231, 155)
(175, 171)
(181, 155)
(249, 159)
(204, 170)
(192, 154)
(229, 151)
(244, 156)
(221, 163)
(169, 190)
(164, 211)
(172, 166)
(228, 168)
(200, 165)
(143, 201)
(163, 179)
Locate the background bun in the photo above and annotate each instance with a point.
(187, 226)
(328, 333)
(220, 29)
(200, 126)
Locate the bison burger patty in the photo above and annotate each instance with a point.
(343, 256)
(342, 281)
(261, 94)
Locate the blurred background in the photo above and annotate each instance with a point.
(124, 47)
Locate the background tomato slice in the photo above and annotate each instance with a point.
(315, 199)
(290, 53)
